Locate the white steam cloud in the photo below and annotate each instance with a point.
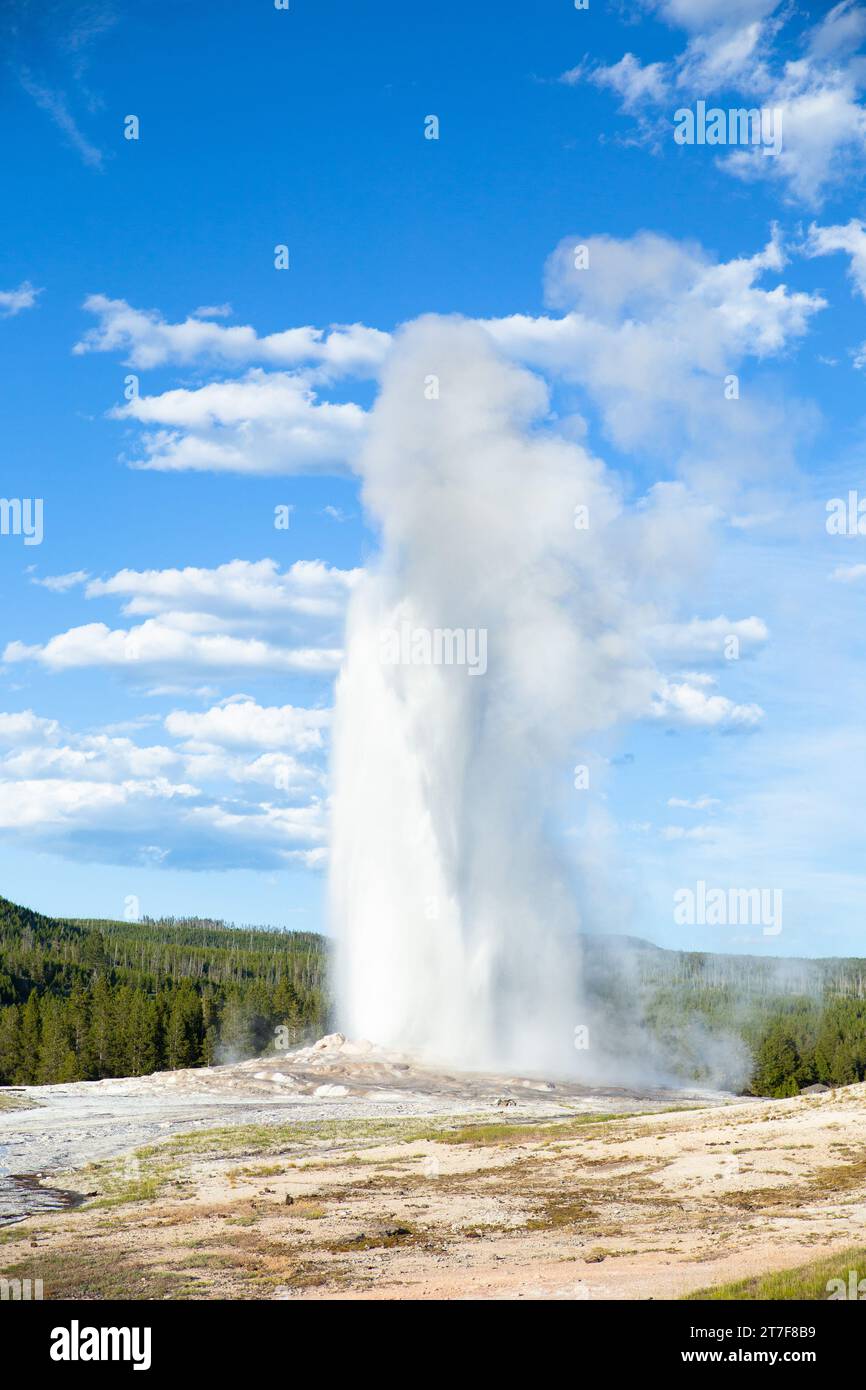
(451, 891)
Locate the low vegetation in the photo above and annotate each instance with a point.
(807, 1282)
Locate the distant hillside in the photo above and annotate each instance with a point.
(770, 1025)
(85, 999)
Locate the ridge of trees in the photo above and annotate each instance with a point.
(81, 1000)
(85, 999)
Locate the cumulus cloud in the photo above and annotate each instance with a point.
(264, 422)
(267, 421)
(213, 797)
(27, 727)
(235, 594)
(241, 723)
(816, 81)
(243, 615)
(683, 703)
(653, 328)
(163, 643)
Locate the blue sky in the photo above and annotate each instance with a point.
(186, 766)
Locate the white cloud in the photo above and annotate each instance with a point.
(702, 803)
(265, 422)
(188, 804)
(679, 702)
(241, 723)
(96, 757)
(13, 301)
(851, 238)
(741, 47)
(695, 832)
(160, 643)
(54, 102)
(841, 32)
(27, 727)
(149, 340)
(212, 311)
(848, 574)
(701, 14)
(59, 583)
(243, 616)
(234, 593)
(632, 81)
(653, 329)
(708, 636)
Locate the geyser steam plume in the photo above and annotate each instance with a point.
(450, 892)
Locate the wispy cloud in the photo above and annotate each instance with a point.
(59, 583)
(54, 102)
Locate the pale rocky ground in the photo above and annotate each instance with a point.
(341, 1171)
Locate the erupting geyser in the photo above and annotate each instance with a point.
(451, 894)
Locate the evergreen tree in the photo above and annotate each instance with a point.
(31, 1037)
(10, 1045)
(56, 1058)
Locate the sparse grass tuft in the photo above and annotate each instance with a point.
(376, 1240)
(80, 1272)
(559, 1213)
(9, 1100)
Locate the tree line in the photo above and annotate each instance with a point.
(82, 1000)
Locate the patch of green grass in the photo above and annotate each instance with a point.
(17, 1231)
(121, 1181)
(242, 1141)
(514, 1131)
(807, 1282)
